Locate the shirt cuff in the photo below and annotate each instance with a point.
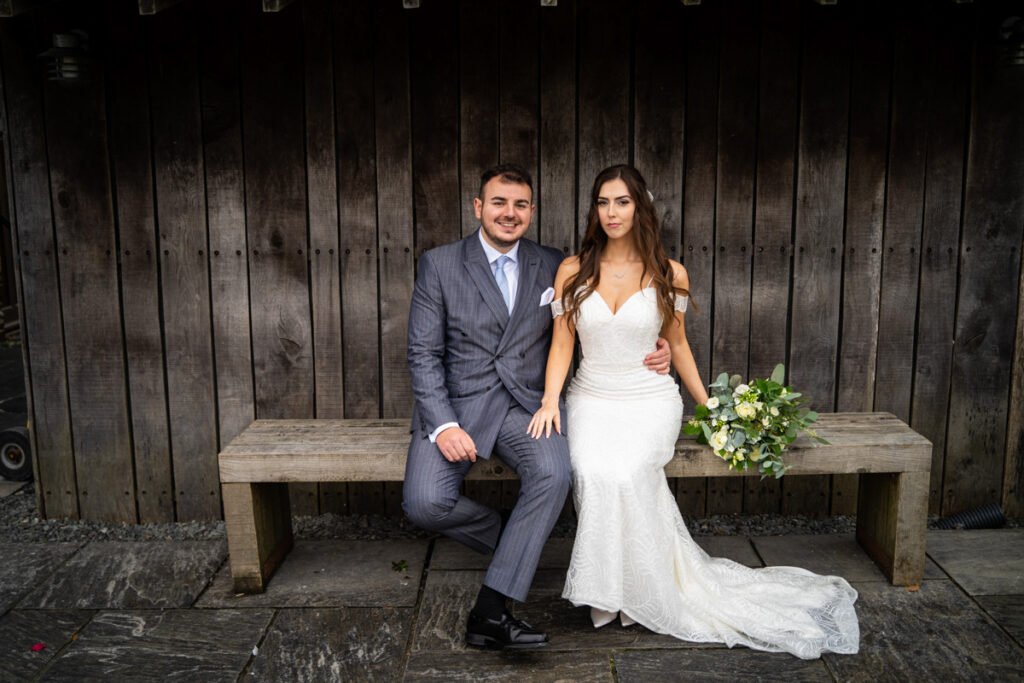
(437, 432)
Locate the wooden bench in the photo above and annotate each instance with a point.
(893, 462)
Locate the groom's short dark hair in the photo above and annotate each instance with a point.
(509, 173)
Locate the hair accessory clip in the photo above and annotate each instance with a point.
(650, 195)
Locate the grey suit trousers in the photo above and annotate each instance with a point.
(432, 501)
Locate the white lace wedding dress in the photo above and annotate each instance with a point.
(632, 552)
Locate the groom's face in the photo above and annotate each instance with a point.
(505, 211)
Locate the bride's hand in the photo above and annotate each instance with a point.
(543, 419)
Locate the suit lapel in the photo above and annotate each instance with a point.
(480, 271)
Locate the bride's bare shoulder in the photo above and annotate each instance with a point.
(569, 267)
(680, 278)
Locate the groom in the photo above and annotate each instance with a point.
(479, 332)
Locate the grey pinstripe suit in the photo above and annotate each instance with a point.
(474, 364)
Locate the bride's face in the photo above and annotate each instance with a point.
(616, 209)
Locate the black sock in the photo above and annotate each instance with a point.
(490, 604)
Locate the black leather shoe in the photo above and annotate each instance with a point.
(507, 633)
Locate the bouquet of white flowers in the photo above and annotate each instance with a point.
(751, 424)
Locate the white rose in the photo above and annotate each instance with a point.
(745, 410)
(719, 439)
(774, 411)
(766, 422)
(712, 402)
(740, 390)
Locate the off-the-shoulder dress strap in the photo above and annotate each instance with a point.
(681, 302)
(557, 308)
(649, 282)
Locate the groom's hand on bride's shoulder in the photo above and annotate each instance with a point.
(456, 445)
(660, 359)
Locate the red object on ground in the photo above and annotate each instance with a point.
(38, 646)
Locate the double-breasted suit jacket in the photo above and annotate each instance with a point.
(469, 359)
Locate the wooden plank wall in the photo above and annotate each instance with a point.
(223, 221)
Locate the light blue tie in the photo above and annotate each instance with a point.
(502, 280)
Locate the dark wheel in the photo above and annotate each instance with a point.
(15, 454)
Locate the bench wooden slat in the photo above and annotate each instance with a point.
(892, 459)
(375, 450)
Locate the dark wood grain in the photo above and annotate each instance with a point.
(435, 125)
(1013, 469)
(870, 79)
(80, 187)
(904, 212)
(32, 221)
(659, 112)
(604, 83)
(519, 96)
(322, 202)
(773, 208)
(184, 264)
(478, 104)
(132, 166)
(734, 214)
(276, 207)
(556, 181)
(993, 221)
(394, 215)
(357, 211)
(817, 266)
(699, 188)
(225, 209)
(950, 47)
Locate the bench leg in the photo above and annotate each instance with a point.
(892, 518)
(259, 525)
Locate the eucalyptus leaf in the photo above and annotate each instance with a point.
(779, 373)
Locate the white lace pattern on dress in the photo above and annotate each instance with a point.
(633, 552)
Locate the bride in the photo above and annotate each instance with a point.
(633, 557)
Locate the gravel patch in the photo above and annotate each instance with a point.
(19, 523)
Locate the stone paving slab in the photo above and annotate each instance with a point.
(1008, 611)
(935, 634)
(735, 548)
(8, 487)
(24, 565)
(449, 595)
(162, 645)
(833, 554)
(333, 644)
(21, 629)
(982, 561)
(130, 575)
(449, 554)
(539, 666)
(333, 574)
(737, 664)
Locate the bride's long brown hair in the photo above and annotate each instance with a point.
(645, 234)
